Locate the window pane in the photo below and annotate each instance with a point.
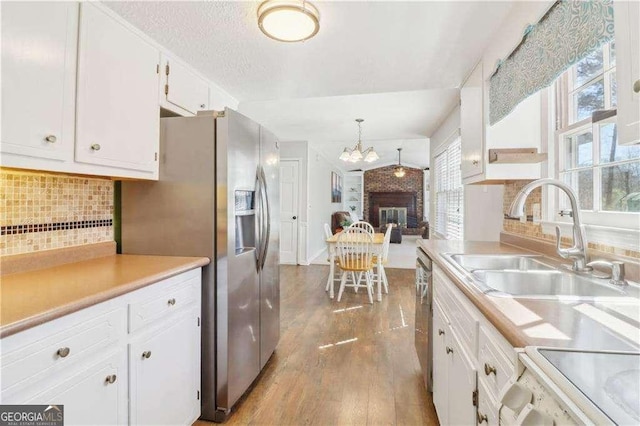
(612, 54)
(587, 68)
(579, 150)
(610, 151)
(582, 183)
(589, 99)
(621, 187)
(614, 90)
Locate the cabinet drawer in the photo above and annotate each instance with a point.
(463, 320)
(159, 304)
(494, 368)
(36, 356)
(487, 406)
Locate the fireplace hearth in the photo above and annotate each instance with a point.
(385, 207)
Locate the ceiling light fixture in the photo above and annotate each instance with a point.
(399, 170)
(288, 20)
(357, 153)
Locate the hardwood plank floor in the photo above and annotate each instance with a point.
(347, 363)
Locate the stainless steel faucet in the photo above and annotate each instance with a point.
(577, 253)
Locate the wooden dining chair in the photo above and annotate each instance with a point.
(363, 225)
(355, 256)
(385, 257)
(336, 268)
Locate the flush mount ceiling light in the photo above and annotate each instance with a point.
(399, 170)
(288, 20)
(357, 153)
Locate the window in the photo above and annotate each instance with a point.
(449, 193)
(605, 175)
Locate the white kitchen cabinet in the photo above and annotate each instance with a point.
(182, 87)
(165, 372)
(627, 30)
(454, 375)
(117, 118)
(95, 395)
(471, 124)
(39, 43)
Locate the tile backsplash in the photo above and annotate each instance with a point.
(42, 211)
(534, 230)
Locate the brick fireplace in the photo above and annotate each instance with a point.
(383, 189)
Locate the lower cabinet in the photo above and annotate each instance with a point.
(88, 362)
(454, 375)
(95, 395)
(165, 373)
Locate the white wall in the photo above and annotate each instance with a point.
(319, 199)
(482, 203)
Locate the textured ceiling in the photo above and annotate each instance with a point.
(362, 47)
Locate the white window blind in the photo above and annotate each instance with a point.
(449, 193)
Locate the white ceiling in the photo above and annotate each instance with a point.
(404, 58)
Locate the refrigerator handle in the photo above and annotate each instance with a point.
(267, 217)
(258, 226)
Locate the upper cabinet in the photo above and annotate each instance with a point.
(118, 121)
(39, 42)
(471, 124)
(182, 88)
(627, 30)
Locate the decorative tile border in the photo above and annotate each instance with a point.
(42, 211)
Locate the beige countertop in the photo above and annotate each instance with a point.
(31, 298)
(568, 323)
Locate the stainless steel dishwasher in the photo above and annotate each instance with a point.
(424, 314)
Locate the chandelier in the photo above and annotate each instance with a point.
(357, 153)
(399, 170)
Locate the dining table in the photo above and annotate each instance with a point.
(378, 243)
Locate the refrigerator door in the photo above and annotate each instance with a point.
(237, 283)
(270, 258)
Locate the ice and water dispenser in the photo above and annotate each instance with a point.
(245, 214)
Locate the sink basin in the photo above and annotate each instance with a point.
(472, 262)
(548, 283)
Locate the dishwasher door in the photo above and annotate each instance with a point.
(423, 323)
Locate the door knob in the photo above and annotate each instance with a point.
(295, 217)
(449, 350)
(171, 302)
(51, 138)
(95, 147)
(636, 86)
(111, 379)
(146, 354)
(489, 369)
(440, 332)
(63, 352)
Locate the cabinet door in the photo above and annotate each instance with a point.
(627, 28)
(165, 373)
(462, 385)
(472, 124)
(94, 395)
(39, 70)
(440, 364)
(183, 88)
(118, 120)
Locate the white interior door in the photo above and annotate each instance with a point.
(289, 211)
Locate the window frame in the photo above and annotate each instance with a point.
(452, 190)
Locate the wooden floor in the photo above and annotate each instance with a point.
(347, 363)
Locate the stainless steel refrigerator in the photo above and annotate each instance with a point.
(217, 196)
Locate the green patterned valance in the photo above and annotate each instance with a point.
(568, 32)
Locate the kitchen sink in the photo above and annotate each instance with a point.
(472, 262)
(526, 276)
(549, 283)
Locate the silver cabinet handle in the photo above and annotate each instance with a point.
(449, 350)
(111, 379)
(481, 417)
(489, 369)
(202, 105)
(474, 162)
(636, 86)
(146, 354)
(171, 302)
(95, 147)
(440, 332)
(63, 352)
(51, 139)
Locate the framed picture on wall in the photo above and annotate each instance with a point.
(336, 188)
